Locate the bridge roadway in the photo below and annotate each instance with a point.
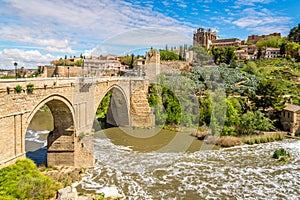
(73, 103)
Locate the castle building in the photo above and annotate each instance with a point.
(255, 38)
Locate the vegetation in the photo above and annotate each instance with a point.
(223, 55)
(102, 109)
(129, 60)
(268, 95)
(18, 89)
(294, 35)
(263, 139)
(67, 62)
(168, 55)
(22, 180)
(281, 155)
(30, 88)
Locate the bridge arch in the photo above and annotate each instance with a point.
(60, 141)
(118, 113)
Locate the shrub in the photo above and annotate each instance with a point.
(29, 87)
(22, 180)
(278, 136)
(263, 140)
(250, 141)
(257, 140)
(18, 89)
(271, 138)
(281, 155)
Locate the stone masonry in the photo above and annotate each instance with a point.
(73, 103)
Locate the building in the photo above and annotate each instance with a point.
(102, 64)
(209, 38)
(255, 38)
(229, 42)
(204, 38)
(272, 53)
(290, 119)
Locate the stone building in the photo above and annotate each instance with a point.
(290, 119)
(255, 38)
(235, 42)
(204, 38)
(97, 65)
(209, 38)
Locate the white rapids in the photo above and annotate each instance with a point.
(244, 172)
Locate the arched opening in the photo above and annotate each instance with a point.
(113, 109)
(51, 124)
(36, 135)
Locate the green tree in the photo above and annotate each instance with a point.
(223, 55)
(102, 108)
(268, 95)
(292, 49)
(259, 53)
(205, 108)
(294, 35)
(253, 122)
(168, 55)
(272, 41)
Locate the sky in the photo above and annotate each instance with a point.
(34, 32)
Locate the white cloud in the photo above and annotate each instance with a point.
(28, 59)
(262, 21)
(142, 38)
(67, 50)
(252, 2)
(63, 26)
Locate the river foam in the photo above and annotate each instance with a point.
(244, 172)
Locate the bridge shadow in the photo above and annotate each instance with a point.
(38, 156)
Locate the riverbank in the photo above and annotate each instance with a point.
(230, 141)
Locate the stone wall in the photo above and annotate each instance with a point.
(62, 71)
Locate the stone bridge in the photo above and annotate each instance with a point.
(73, 103)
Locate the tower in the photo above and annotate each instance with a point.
(204, 38)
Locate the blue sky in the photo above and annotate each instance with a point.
(34, 32)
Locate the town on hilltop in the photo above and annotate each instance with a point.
(227, 50)
(245, 50)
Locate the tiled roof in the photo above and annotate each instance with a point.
(292, 107)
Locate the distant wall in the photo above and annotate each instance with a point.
(63, 71)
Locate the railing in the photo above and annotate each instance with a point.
(40, 82)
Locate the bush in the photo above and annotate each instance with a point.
(278, 136)
(18, 89)
(263, 140)
(22, 180)
(271, 138)
(29, 87)
(281, 155)
(250, 141)
(257, 140)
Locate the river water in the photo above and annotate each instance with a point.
(150, 168)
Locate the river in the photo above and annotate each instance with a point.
(151, 168)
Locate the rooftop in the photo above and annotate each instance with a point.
(292, 107)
